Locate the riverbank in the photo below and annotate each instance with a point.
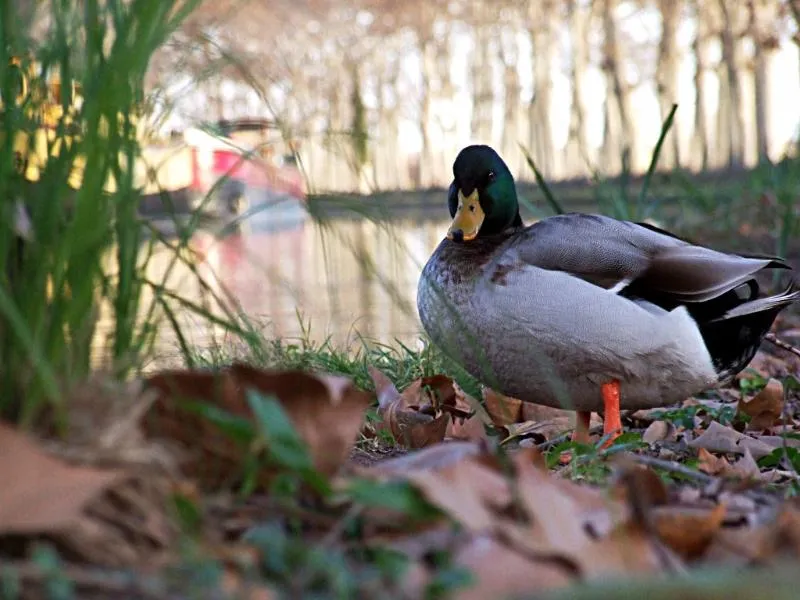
(301, 469)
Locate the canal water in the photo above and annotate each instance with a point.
(297, 277)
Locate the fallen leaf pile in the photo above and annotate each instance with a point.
(106, 516)
(433, 409)
(325, 410)
(255, 468)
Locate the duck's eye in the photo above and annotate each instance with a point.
(491, 176)
(471, 208)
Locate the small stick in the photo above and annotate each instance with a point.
(112, 582)
(565, 437)
(672, 467)
(699, 476)
(770, 337)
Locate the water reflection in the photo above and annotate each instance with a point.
(344, 277)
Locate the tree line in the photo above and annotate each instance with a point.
(380, 94)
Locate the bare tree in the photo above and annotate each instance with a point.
(730, 122)
(618, 140)
(481, 74)
(763, 16)
(577, 150)
(700, 143)
(667, 74)
(542, 23)
(329, 70)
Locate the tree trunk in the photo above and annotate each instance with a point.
(510, 139)
(667, 76)
(619, 142)
(699, 154)
(723, 149)
(577, 150)
(794, 8)
(445, 93)
(761, 98)
(763, 15)
(700, 134)
(387, 159)
(730, 86)
(425, 43)
(540, 136)
(482, 92)
(359, 131)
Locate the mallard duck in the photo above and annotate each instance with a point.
(584, 311)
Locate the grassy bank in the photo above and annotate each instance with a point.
(401, 363)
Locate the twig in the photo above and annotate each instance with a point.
(116, 583)
(341, 525)
(772, 338)
(565, 437)
(700, 477)
(672, 467)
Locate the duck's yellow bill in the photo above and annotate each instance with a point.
(469, 218)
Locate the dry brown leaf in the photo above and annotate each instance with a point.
(470, 428)
(762, 364)
(740, 546)
(236, 587)
(99, 516)
(563, 524)
(658, 431)
(766, 407)
(744, 468)
(327, 412)
(503, 410)
(386, 390)
(41, 494)
(501, 572)
(758, 365)
(540, 412)
(711, 464)
(434, 457)
(777, 441)
(533, 456)
(426, 412)
(719, 438)
(785, 531)
(463, 401)
(440, 392)
(414, 429)
(638, 487)
(548, 429)
(776, 538)
(468, 491)
(688, 531)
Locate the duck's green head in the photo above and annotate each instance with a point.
(482, 198)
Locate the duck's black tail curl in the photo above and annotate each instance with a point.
(733, 337)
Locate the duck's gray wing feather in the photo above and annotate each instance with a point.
(608, 253)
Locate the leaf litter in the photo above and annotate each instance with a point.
(259, 474)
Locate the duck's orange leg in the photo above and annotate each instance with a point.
(612, 422)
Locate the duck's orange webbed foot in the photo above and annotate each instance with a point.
(612, 421)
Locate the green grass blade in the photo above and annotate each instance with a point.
(551, 200)
(665, 127)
